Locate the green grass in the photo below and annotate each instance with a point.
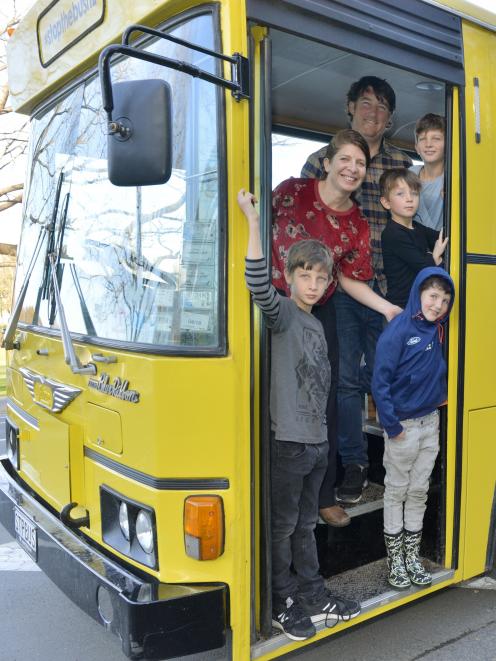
(2, 372)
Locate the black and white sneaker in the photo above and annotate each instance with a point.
(354, 481)
(293, 621)
(332, 609)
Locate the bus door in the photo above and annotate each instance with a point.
(306, 59)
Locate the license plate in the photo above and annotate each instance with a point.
(25, 531)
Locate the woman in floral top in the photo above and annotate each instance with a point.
(325, 210)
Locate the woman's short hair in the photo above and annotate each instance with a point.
(347, 137)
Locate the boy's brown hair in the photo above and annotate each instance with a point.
(438, 283)
(390, 177)
(308, 253)
(430, 122)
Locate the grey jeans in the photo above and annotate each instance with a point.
(409, 463)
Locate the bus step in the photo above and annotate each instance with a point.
(372, 499)
(368, 583)
(372, 426)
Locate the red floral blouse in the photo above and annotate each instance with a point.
(298, 212)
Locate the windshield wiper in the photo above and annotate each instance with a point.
(58, 251)
(45, 281)
(88, 322)
(59, 269)
(69, 352)
(8, 338)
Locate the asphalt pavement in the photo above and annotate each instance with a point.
(38, 623)
(456, 624)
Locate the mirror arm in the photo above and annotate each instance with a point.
(126, 38)
(239, 86)
(69, 352)
(240, 68)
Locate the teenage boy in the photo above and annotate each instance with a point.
(429, 143)
(299, 388)
(370, 105)
(409, 384)
(407, 246)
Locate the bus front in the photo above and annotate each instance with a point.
(128, 380)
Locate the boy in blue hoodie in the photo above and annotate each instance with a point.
(408, 385)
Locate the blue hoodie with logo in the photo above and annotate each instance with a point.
(409, 378)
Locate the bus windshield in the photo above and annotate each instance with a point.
(135, 265)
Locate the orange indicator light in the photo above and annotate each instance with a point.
(204, 527)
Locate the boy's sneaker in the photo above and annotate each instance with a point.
(354, 481)
(293, 621)
(332, 608)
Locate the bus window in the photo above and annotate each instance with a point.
(138, 266)
(289, 152)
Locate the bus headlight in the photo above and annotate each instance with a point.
(144, 531)
(129, 527)
(124, 520)
(12, 442)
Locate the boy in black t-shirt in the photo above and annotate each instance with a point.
(407, 246)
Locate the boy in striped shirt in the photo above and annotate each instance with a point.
(299, 388)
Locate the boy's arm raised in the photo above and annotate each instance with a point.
(257, 278)
(246, 202)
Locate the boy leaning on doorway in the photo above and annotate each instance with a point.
(299, 389)
(429, 142)
(409, 384)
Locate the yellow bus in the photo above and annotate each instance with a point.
(136, 472)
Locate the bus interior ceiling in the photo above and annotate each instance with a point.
(310, 82)
(320, 76)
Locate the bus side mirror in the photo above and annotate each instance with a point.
(139, 144)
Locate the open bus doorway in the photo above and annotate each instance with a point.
(309, 84)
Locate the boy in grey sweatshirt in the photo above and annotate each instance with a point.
(299, 388)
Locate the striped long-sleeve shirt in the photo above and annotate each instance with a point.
(300, 370)
(387, 158)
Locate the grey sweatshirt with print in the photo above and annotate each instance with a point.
(300, 371)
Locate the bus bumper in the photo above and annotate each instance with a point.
(153, 620)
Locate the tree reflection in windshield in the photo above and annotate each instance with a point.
(135, 265)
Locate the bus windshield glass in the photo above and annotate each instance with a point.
(135, 265)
